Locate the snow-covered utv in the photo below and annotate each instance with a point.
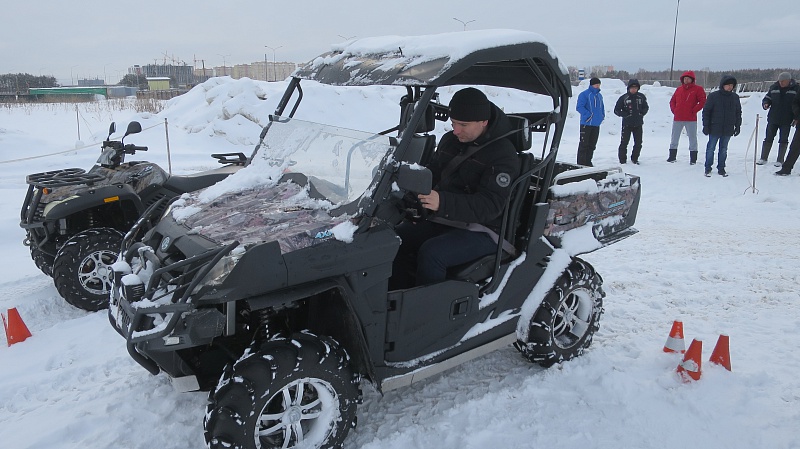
(271, 288)
(75, 220)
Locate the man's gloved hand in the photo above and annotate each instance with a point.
(706, 130)
(736, 130)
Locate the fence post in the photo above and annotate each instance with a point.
(169, 155)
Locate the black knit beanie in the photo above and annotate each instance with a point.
(470, 105)
(594, 81)
(634, 82)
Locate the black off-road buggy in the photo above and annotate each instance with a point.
(276, 298)
(75, 220)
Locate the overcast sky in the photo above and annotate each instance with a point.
(102, 39)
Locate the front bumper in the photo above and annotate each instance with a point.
(156, 316)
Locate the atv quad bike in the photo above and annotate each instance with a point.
(75, 220)
(276, 298)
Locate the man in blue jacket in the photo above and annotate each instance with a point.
(590, 107)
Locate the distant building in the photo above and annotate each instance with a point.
(94, 82)
(158, 82)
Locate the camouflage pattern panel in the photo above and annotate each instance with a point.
(605, 208)
(281, 213)
(139, 176)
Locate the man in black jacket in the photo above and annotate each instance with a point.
(722, 118)
(473, 169)
(778, 101)
(632, 107)
(794, 148)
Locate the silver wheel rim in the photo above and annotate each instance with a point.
(94, 272)
(301, 414)
(573, 317)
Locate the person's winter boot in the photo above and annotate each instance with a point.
(673, 154)
(783, 172)
(692, 157)
(708, 173)
(765, 149)
(781, 153)
(722, 172)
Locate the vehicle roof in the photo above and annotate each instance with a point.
(505, 58)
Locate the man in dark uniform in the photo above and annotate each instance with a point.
(779, 101)
(473, 169)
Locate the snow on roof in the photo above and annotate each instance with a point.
(409, 59)
(454, 45)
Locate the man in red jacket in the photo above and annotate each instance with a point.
(685, 103)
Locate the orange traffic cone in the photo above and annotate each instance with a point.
(689, 368)
(722, 352)
(675, 340)
(16, 330)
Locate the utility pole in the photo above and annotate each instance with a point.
(274, 69)
(674, 35)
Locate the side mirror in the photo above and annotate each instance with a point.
(133, 128)
(415, 179)
(111, 130)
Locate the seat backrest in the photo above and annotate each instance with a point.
(428, 123)
(522, 139)
(517, 200)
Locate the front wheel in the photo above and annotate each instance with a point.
(82, 267)
(563, 326)
(43, 261)
(296, 392)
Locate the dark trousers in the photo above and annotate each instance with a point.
(627, 131)
(794, 152)
(769, 137)
(428, 249)
(589, 136)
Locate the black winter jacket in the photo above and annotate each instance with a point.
(632, 108)
(476, 191)
(722, 113)
(780, 101)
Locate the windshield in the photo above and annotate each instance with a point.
(339, 162)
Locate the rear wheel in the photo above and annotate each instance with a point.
(82, 267)
(563, 326)
(289, 393)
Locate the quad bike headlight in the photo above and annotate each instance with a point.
(221, 270)
(49, 206)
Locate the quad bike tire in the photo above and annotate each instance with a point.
(82, 267)
(286, 393)
(43, 261)
(569, 315)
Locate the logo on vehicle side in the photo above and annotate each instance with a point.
(323, 234)
(165, 243)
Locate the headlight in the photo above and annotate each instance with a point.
(50, 206)
(221, 270)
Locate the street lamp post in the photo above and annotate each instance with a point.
(463, 23)
(274, 69)
(224, 66)
(674, 35)
(72, 78)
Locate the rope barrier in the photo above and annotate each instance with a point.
(91, 145)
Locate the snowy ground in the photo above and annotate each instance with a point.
(712, 252)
